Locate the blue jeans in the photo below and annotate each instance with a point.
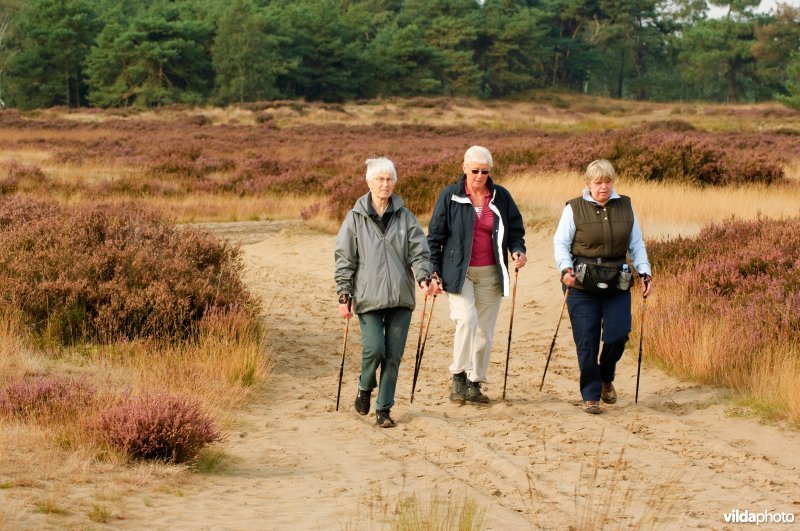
(590, 314)
(383, 340)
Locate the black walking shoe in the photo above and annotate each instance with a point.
(382, 419)
(473, 393)
(608, 394)
(459, 388)
(362, 401)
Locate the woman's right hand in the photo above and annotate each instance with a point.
(346, 307)
(568, 278)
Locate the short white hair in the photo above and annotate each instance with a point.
(600, 170)
(478, 154)
(379, 166)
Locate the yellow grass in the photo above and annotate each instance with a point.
(702, 346)
(663, 209)
(605, 500)
(438, 513)
(231, 207)
(49, 456)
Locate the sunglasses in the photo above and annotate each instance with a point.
(484, 172)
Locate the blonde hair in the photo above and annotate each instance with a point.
(379, 166)
(600, 170)
(478, 154)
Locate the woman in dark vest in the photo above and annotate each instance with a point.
(597, 233)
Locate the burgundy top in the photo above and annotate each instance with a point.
(482, 247)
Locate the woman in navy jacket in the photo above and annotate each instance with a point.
(474, 227)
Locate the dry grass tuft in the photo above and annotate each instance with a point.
(605, 498)
(438, 512)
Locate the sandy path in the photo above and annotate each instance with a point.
(535, 461)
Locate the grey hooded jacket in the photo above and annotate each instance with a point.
(375, 268)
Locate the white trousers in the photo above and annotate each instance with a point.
(474, 311)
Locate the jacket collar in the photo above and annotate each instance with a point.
(587, 196)
(362, 204)
(462, 186)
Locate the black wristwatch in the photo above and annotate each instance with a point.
(564, 271)
(344, 298)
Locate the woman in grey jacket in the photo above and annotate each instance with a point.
(378, 244)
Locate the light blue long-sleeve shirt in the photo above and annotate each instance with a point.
(565, 233)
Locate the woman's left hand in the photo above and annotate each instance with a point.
(647, 285)
(519, 259)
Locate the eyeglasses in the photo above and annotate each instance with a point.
(483, 172)
(383, 180)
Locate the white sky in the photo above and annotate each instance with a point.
(764, 7)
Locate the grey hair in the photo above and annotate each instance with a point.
(600, 169)
(478, 154)
(380, 165)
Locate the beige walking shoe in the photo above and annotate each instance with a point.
(592, 407)
(608, 393)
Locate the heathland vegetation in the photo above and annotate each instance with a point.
(126, 337)
(151, 53)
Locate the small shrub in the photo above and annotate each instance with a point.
(101, 272)
(22, 177)
(159, 427)
(100, 514)
(50, 506)
(46, 396)
(310, 211)
(439, 512)
(264, 117)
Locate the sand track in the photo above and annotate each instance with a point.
(675, 460)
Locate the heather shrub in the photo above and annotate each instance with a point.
(177, 161)
(310, 212)
(264, 118)
(730, 301)
(174, 155)
(101, 272)
(158, 427)
(15, 177)
(674, 159)
(46, 396)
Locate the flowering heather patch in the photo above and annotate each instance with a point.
(159, 427)
(102, 272)
(172, 156)
(45, 396)
(739, 280)
(17, 177)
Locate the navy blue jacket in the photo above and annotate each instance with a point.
(451, 227)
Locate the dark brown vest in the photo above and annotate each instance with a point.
(602, 232)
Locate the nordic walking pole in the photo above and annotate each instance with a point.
(419, 337)
(510, 327)
(553, 343)
(641, 343)
(424, 340)
(344, 349)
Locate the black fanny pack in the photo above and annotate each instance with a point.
(603, 278)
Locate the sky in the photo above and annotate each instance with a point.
(764, 7)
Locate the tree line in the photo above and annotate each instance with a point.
(106, 53)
